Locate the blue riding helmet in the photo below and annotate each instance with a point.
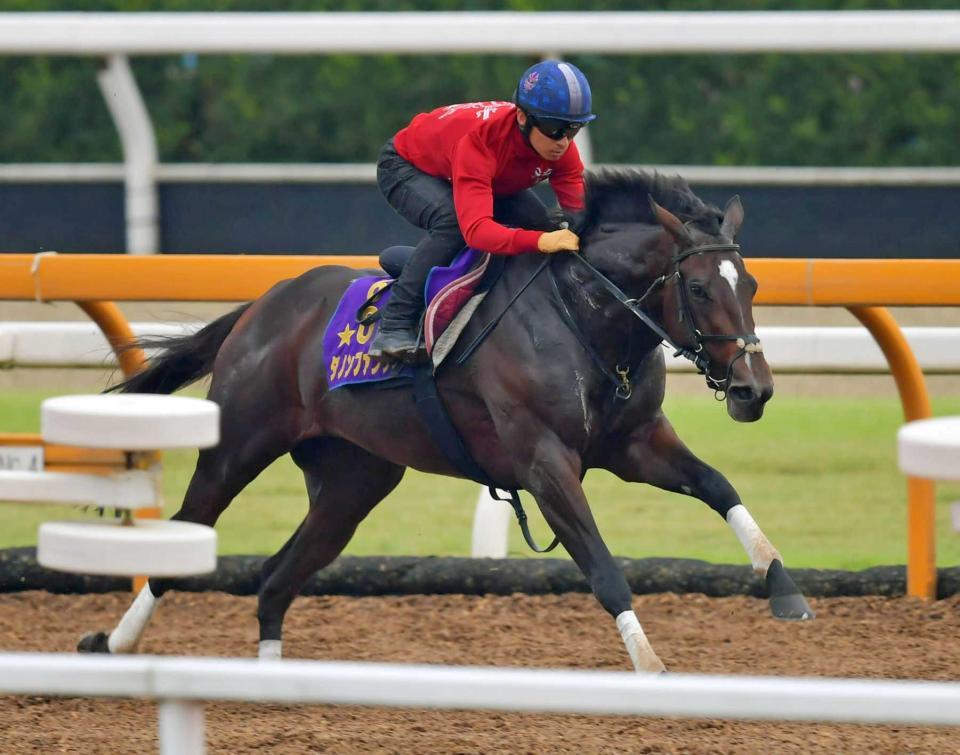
(556, 90)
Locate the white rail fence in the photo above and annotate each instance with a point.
(180, 685)
(366, 173)
(459, 32)
(71, 344)
(788, 349)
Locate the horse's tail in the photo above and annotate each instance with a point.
(182, 359)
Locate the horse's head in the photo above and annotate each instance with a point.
(708, 309)
(687, 274)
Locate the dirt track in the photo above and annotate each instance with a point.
(869, 637)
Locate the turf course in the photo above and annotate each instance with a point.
(818, 474)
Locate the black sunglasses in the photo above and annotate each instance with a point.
(556, 130)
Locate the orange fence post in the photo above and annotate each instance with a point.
(921, 516)
(115, 327)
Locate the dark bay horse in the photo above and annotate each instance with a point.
(571, 378)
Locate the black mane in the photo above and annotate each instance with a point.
(620, 196)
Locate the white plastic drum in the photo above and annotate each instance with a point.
(130, 421)
(152, 547)
(930, 448)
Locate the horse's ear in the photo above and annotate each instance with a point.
(732, 218)
(671, 223)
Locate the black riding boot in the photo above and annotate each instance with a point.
(397, 342)
(398, 335)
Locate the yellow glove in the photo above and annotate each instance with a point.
(559, 241)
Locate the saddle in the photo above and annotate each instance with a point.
(452, 293)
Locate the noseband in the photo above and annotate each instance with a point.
(748, 343)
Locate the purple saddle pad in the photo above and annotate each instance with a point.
(346, 342)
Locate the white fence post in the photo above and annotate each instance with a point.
(491, 522)
(181, 727)
(132, 119)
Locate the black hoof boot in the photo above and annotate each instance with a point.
(93, 642)
(786, 601)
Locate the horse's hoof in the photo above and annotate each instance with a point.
(93, 642)
(791, 608)
(786, 601)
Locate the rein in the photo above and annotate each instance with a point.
(747, 342)
(468, 351)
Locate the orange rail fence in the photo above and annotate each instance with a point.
(865, 287)
(203, 277)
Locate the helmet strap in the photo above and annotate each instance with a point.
(527, 127)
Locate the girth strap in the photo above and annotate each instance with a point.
(448, 440)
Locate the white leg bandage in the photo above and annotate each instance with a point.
(754, 542)
(642, 655)
(270, 650)
(126, 636)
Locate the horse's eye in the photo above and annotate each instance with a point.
(697, 290)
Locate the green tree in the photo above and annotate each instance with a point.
(860, 110)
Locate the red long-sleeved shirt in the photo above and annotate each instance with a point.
(478, 147)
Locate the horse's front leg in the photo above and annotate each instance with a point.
(655, 455)
(553, 477)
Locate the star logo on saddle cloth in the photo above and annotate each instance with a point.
(346, 335)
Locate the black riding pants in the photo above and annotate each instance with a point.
(427, 202)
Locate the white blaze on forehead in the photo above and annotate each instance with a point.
(728, 271)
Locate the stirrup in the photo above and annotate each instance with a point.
(405, 352)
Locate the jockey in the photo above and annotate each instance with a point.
(464, 172)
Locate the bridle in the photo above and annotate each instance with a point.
(747, 343)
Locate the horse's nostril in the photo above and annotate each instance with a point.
(742, 393)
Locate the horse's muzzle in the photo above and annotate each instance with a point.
(745, 401)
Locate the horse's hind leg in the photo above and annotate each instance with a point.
(344, 483)
(221, 473)
(656, 455)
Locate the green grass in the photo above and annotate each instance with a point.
(819, 475)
